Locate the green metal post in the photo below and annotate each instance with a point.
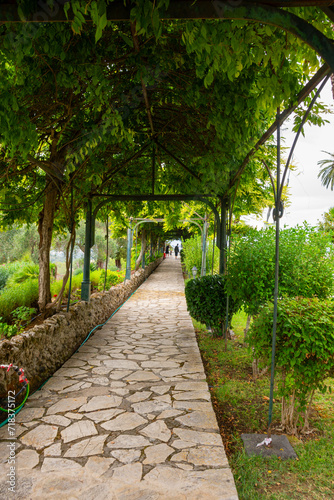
(222, 236)
(203, 267)
(128, 254)
(143, 261)
(85, 285)
(277, 206)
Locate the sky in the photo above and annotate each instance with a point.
(308, 198)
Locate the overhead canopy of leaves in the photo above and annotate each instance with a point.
(86, 105)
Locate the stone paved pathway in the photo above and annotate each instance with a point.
(128, 416)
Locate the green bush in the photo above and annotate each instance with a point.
(306, 266)
(113, 278)
(304, 351)
(6, 270)
(28, 271)
(22, 294)
(192, 255)
(76, 283)
(206, 301)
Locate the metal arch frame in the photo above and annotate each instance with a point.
(130, 233)
(203, 9)
(92, 213)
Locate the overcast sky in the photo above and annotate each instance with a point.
(309, 199)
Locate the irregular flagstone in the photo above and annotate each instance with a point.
(98, 380)
(133, 410)
(169, 414)
(199, 419)
(157, 430)
(124, 422)
(58, 464)
(208, 484)
(150, 407)
(130, 473)
(139, 396)
(76, 387)
(193, 405)
(27, 459)
(198, 437)
(179, 444)
(58, 384)
(191, 386)
(180, 457)
(57, 420)
(28, 414)
(40, 437)
(160, 389)
(157, 454)
(142, 375)
(78, 430)
(74, 416)
(98, 465)
(192, 395)
(74, 363)
(126, 456)
(207, 456)
(115, 364)
(101, 402)
(103, 415)
(66, 405)
(53, 450)
(87, 447)
(69, 372)
(160, 364)
(119, 374)
(128, 441)
(101, 370)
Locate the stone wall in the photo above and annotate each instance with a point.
(43, 349)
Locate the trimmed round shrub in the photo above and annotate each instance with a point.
(206, 301)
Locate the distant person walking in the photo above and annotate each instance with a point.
(167, 250)
(176, 251)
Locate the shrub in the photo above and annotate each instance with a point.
(76, 283)
(6, 270)
(28, 271)
(113, 278)
(206, 301)
(192, 255)
(306, 266)
(304, 352)
(22, 294)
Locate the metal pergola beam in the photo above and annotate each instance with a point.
(178, 9)
(305, 92)
(267, 12)
(153, 197)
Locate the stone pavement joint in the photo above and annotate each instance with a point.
(127, 417)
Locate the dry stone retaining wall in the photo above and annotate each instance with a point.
(44, 348)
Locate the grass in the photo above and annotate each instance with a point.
(242, 407)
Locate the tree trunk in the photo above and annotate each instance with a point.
(142, 249)
(45, 227)
(249, 317)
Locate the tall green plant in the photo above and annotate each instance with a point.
(304, 352)
(306, 266)
(192, 255)
(21, 294)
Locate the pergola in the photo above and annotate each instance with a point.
(271, 12)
